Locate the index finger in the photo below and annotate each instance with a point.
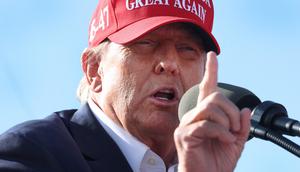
(209, 82)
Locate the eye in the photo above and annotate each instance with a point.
(144, 46)
(145, 42)
(188, 51)
(187, 48)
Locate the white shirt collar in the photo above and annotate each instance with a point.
(124, 140)
(139, 156)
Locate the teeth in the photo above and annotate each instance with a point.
(162, 98)
(165, 95)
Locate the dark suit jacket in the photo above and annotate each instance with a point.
(66, 141)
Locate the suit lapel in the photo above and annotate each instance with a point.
(98, 148)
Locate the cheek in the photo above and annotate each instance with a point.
(127, 74)
(133, 89)
(192, 76)
(123, 88)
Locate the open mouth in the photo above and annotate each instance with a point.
(165, 94)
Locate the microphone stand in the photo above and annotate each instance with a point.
(264, 116)
(270, 135)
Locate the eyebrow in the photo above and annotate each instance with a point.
(185, 30)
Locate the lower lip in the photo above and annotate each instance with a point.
(164, 103)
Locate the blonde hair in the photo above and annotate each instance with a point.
(93, 55)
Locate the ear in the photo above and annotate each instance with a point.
(90, 61)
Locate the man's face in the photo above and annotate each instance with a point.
(142, 82)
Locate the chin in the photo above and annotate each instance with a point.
(164, 124)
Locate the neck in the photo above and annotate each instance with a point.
(163, 146)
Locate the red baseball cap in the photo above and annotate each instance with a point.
(123, 21)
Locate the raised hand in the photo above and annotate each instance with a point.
(211, 137)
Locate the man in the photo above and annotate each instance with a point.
(142, 56)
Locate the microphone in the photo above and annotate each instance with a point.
(266, 115)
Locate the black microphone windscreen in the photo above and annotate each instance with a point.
(241, 97)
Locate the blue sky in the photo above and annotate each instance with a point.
(41, 43)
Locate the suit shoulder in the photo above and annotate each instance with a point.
(36, 144)
(54, 122)
(42, 132)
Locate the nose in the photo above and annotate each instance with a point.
(167, 61)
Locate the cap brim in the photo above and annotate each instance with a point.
(144, 26)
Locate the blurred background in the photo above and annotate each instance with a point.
(41, 43)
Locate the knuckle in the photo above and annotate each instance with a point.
(187, 117)
(181, 137)
(216, 95)
(182, 134)
(200, 127)
(177, 134)
(186, 133)
(209, 108)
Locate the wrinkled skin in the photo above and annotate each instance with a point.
(124, 83)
